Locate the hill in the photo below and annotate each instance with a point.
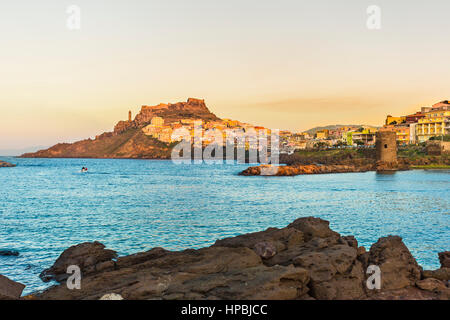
(332, 127)
(127, 140)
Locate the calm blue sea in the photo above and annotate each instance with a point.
(47, 205)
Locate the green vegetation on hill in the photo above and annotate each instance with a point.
(412, 152)
(329, 156)
(312, 131)
(445, 138)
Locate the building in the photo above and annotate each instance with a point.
(436, 122)
(157, 122)
(155, 128)
(231, 123)
(365, 136)
(395, 120)
(165, 135)
(340, 131)
(412, 133)
(414, 118)
(323, 134)
(187, 121)
(402, 132)
(302, 136)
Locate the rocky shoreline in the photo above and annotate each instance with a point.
(4, 164)
(299, 169)
(294, 170)
(305, 260)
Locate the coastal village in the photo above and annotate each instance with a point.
(430, 123)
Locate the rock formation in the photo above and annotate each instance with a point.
(10, 290)
(192, 109)
(9, 253)
(444, 258)
(4, 164)
(305, 260)
(87, 256)
(131, 144)
(295, 170)
(127, 140)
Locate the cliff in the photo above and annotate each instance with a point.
(305, 260)
(132, 143)
(171, 112)
(127, 139)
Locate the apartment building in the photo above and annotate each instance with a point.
(436, 122)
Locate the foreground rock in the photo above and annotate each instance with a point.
(305, 260)
(398, 267)
(90, 257)
(4, 164)
(444, 258)
(10, 290)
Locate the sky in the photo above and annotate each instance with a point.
(281, 64)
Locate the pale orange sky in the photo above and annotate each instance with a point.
(281, 64)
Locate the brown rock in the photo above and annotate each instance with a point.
(266, 243)
(398, 267)
(351, 241)
(10, 290)
(313, 227)
(335, 272)
(431, 284)
(265, 249)
(122, 126)
(271, 264)
(440, 274)
(408, 293)
(383, 166)
(361, 250)
(138, 258)
(444, 259)
(260, 282)
(4, 164)
(9, 253)
(339, 288)
(299, 169)
(85, 256)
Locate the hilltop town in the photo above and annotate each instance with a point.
(428, 123)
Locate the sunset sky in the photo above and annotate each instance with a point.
(281, 64)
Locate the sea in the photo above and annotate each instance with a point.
(48, 205)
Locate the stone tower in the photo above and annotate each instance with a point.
(386, 146)
(129, 116)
